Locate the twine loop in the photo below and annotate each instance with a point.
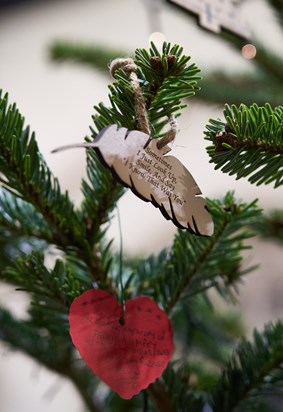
(127, 64)
(129, 67)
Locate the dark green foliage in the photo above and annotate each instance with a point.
(162, 95)
(195, 264)
(262, 83)
(23, 171)
(55, 289)
(247, 87)
(36, 207)
(183, 395)
(277, 6)
(97, 209)
(21, 218)
(22, 228)
(38, 343)
(136, 404)
(95, 56)
(271, 225)
(248, 143)
(53, 350)
(252, 373)
(53, 252)
(205, 334)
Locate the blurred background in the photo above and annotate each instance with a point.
(57, 99)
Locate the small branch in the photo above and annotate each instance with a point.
(245, 143)
(85, 394)
(99, 217)
(202, 259)
(273, 365)
(159, 395)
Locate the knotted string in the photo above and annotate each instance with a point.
(129, 67)
(170, 135)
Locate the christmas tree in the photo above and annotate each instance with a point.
(210, 368)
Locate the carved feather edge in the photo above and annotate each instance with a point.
(134, 190)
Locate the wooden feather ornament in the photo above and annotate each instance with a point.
(135, 160)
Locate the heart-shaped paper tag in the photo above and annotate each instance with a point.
(126, 357)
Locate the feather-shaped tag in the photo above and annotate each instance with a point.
(135, 160)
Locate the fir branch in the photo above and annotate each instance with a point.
(95, 56)
(271, 225)
(37, 343)
(25, 173)
(256, 87)
(196, 264)
(22, 228)
(277, 6)
(101, 194)
(11, 247)
(51, 289)
(200, 375)
(202, 329)
(52, 351)
(20, 218)
(182, 395)
(251, 371)
(84, 381)
(192, 266)
(165, 80)
(269, 62)
(158, 393)
(266, 61)
(264, 83)
(250, 143)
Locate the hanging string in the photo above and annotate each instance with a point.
(130, 68)
(120, 272)
(170, 135)
(145, 401)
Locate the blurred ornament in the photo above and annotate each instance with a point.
(214, 14)
(154, 8)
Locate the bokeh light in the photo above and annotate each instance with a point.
(249, 51)
(158, 39)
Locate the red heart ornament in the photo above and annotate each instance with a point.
(126, 357)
